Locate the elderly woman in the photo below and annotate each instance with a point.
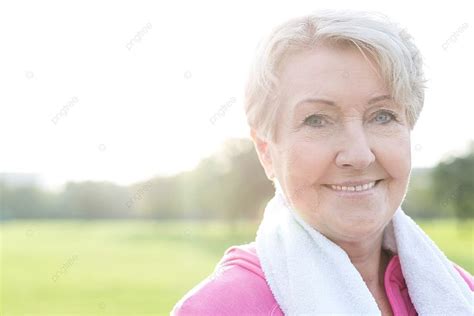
(331, 101)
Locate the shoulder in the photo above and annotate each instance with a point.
(236, 287)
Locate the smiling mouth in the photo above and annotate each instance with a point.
(353, 188)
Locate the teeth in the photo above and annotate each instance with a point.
(364, 187)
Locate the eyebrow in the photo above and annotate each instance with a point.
(331, 103)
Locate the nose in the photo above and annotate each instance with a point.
(355, 151)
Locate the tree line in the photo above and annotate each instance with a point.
(229, 185)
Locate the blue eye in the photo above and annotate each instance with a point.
(384, 117)
(315, 120)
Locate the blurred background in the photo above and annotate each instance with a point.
(126, 167)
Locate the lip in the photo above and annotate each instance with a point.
(355, 194)
(354, 183)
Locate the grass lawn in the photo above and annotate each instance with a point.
(133, 267)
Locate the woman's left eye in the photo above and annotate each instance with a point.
(384, 117)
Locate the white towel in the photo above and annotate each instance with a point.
(308, 274)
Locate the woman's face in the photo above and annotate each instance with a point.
(338, 124)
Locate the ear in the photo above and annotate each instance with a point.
(264, 154)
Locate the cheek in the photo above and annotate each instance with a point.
(308, 161)
(303, 166)
(394, 155)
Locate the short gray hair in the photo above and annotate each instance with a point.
(398, 59)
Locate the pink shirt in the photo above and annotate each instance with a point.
(238, 287)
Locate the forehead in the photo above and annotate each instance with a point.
(341, 75)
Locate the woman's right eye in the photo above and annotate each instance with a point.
(315, 120)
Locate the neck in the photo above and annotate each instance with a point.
(370, 260)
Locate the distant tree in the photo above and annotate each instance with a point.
(420, 201)
(27, 201)
(158, 197)
(454, 184)
(94, 200)
(229, 185)
(245, 187)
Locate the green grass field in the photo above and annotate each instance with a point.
(132, 267)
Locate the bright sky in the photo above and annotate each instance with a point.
(81, 99)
